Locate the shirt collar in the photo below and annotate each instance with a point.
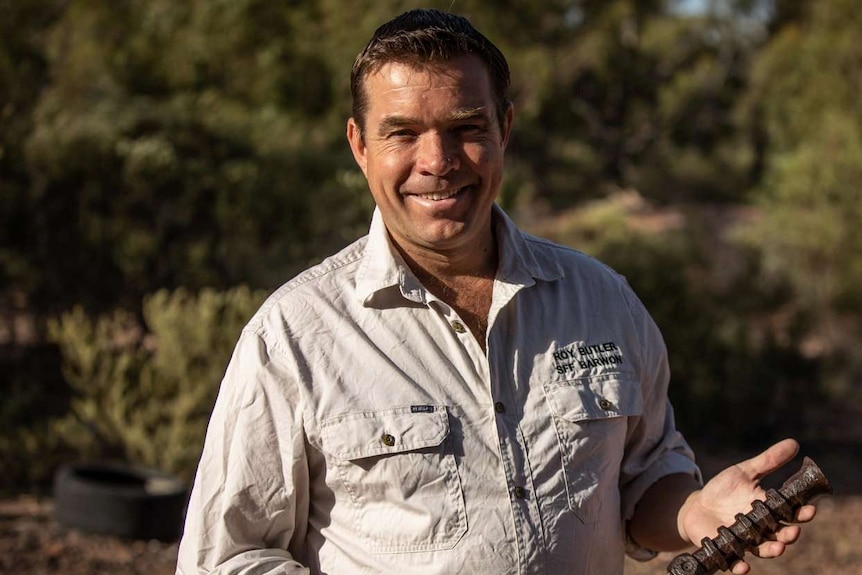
(384, 274)
(520, 263)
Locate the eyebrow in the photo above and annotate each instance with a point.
(478, 113)
(395, 122)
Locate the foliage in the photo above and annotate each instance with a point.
(149, 145)
(727, 364)
(23, 72)
(201, 143)
(34, 396)
(805, 95)
(146, 396)
(185, 144)
(625, 95)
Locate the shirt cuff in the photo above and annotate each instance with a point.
(670, 463)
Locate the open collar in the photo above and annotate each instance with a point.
(384, 279)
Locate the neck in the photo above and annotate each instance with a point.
(465, 281)
(479, 260)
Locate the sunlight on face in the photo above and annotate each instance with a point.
(432, 152)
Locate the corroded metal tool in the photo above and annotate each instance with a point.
(752, 528)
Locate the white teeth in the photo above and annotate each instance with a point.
(438, 195)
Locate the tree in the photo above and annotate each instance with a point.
(632, 95)
(186, 144)
(805, 95)
(23, 73)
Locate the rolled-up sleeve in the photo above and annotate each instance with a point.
(654, 447)
(248, 510)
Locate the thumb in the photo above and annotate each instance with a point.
(769, 460)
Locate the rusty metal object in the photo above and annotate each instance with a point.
(752, 528)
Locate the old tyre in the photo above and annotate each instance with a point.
(120, 499)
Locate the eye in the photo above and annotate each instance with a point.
(401, 134)
(468, 130)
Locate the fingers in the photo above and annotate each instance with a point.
(788, 534)
(769, 460)
(766, 550)
(770, 549)
(775, 547)
(777, 543)
(806, 513)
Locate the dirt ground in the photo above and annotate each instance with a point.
(32, 543)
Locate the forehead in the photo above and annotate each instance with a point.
(463, 81)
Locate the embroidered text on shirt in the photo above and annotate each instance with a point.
(575, 357)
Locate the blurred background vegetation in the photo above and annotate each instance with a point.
(163, 165)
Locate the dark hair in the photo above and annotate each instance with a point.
(422, 36)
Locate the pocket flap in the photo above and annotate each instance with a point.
(372, 433)
(598, 397)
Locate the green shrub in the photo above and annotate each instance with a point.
(144, 393)
(736, 378)
(34, 396)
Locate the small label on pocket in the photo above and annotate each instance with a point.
(421, 409)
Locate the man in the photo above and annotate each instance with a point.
(448, 394)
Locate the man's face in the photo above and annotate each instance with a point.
(432, 152)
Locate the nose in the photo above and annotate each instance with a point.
(436, 155)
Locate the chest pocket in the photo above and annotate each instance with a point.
(398, 468)
(590, 418)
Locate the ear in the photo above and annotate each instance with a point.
(508, 118)
(357, 145)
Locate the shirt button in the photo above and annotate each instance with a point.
(519, 492)
(499, 407)
(459, 327)
(605, 404)
(388, 440)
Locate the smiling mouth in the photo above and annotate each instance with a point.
(441, 195)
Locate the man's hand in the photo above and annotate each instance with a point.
(732, 491)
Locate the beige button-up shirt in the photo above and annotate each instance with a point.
(361, 429)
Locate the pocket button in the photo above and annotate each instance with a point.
(388, 440)
(606, 404)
